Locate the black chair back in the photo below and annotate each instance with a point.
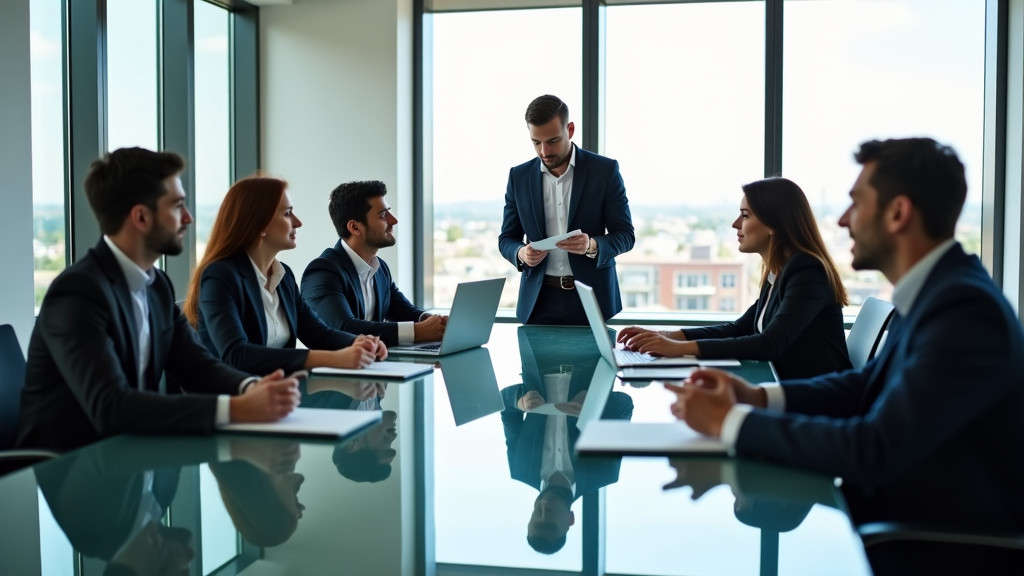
(12, 380)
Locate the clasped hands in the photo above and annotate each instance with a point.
(578, 244)
(705, 398)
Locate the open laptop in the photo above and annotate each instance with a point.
(606, 343)
(469, 323)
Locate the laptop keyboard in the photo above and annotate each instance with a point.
(429, 347)
(631, 356)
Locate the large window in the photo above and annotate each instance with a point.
(686, 106)
(48, 195)
(860, 69)
(212, 162)
(131, 74)
(487, 66)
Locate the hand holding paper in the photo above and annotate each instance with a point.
(549, 243)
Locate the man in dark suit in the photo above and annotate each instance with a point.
(350, 287)
(565, 188)
(932, 429)
(108, 329)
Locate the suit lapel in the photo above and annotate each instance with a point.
(349, 271)
(536, 195)
(579, 177)
(383, 295)
(251, 287)
(119, 286)
(288, 303)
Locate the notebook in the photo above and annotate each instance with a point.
(379, 369)
(314, 422)
(606, 343)
(624, 437)
(469, 323)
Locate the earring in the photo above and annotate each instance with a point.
(264, 235)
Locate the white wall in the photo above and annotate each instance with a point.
(336, 105)
(18, 301)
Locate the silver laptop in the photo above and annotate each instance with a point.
(606, 343)
(469, 323)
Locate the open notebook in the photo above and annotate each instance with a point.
(624, 437)
(379, 369)
(315, 422)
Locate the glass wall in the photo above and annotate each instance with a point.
(49, 198)
(858, 70)
(132, 74)
(684, 108)
(487, 67)
(212, 162)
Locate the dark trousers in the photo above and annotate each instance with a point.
(558, 307)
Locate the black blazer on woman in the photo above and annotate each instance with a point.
(803, 325)
(233, 324)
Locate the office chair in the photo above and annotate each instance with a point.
(12, 379)
(902, 547)
(866, 333)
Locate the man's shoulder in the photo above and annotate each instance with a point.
(530, 165)
(333, 260)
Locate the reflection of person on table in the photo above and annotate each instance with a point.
(342, 394)
(368, 458)
(540, 446)
(110, 500)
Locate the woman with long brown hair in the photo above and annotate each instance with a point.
(797, 322)
(245, 304)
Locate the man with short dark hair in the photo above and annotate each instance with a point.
(932, 429)
(108, 329)
(564, 189)
(350, 288)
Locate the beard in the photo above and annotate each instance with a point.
(163, 241)
(380, 241)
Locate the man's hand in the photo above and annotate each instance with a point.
(531, 257)
(430, 329)
(744, 392)
(271, 398)
(578, 244)
(530, 400)
(703, 409)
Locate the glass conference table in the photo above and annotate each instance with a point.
(449, 482)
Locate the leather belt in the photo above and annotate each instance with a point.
(563, 282)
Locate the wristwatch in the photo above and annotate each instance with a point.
(592, 250)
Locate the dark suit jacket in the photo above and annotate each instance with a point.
(81, 382)
(330, 285)
(597, 206)
(932, 428)
(233, 324)
(803, 325)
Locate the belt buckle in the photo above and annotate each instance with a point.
(566, 282)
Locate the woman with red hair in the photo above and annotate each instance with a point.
(245, 304)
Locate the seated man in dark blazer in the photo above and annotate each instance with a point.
(109, 329)
(350, 287)
(932, 429)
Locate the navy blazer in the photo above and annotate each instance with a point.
(803, 325)
(931, 429)
(233, 324)
(81, 382)
(331, 286)
(597, 206)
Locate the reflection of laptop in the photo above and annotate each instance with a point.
(606, 343)
(472, 386)
(469, 323)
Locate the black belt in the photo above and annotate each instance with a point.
(563, 282)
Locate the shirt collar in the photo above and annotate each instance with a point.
(362, 268)
(276, 274)
(909, 286)
(572, 164)
(137, 278)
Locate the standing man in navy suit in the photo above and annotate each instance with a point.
(932, 429)
(564, 189)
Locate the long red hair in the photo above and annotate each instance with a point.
(247, 210)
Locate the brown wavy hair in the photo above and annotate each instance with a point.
(247, 210)
(782, 206)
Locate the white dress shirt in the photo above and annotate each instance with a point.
(557, 196)
(366, 273)
(278, 331)
(557, 454)
(903, 296)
